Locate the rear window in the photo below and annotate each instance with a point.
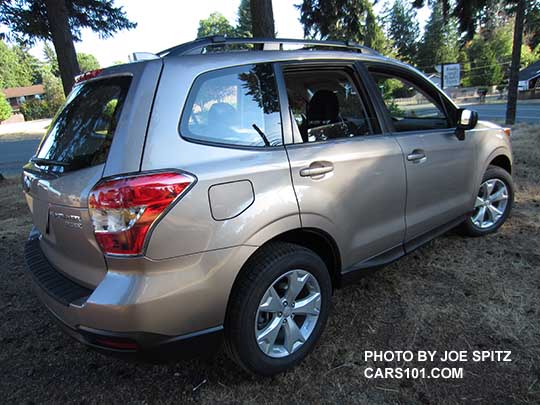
(234, 106)
(82, 133)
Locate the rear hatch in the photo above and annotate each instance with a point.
(69, 162)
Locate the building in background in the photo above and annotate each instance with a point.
(18, 95)
(529, 78)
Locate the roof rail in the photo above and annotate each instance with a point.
(274, 44)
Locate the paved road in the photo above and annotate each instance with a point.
(15, 152)
(18, 142)
(529, 112)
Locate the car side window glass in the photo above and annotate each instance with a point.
(411, 108)
(234, 106)
(325, 104)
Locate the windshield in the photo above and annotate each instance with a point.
(82, 133)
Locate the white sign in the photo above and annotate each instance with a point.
(523, 85)
(452, 77)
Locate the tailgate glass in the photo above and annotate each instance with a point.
(82, 133)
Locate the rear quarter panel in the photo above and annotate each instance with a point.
(190, 227)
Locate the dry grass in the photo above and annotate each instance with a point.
(454, 294)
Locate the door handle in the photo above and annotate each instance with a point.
(417, 156)
(316, 169)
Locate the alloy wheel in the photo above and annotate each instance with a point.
(288, 313)
(490, 203)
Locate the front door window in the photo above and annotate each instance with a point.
(411, 108)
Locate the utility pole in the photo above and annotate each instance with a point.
(442, 76)
(511, 106)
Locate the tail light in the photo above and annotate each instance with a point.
(508, 132)
(123, 210)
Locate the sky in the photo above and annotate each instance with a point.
(165, 23)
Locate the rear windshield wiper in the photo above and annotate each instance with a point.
(261, 133)
(48, 162)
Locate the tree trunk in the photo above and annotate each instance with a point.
(262, 19)
(514, 69)
(57, 14)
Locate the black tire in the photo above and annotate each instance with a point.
(259, 273)
(493, 172)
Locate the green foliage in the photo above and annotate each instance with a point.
(463, 60)
(87, 62)
(532, 24)
(343, 20)
(529, 56)
(34, 65)
(28, 22)
(375, 37)
(54, 92)
(403, 30)
(30, 65)
(51, 102)
(243, 25)
(215, 24)
(490, 52)
(15, 70)
(485, 69)
(50, 58)
(5, 108)
(500, 41)
(34, 110)
(440, 43)
(27, 19)
(390, 90)
(110, 108)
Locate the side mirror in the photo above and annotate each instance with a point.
(467, 119)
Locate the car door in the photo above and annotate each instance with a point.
(348, 177)
(439, 166)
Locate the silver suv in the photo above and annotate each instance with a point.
(225, 187)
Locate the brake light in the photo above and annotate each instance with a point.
(508, 132)
(87, 75)
(123, 210)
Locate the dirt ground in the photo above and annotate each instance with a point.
(454, 294)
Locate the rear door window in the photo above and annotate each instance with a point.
(82, 133)
(327, 105)
(235, 106)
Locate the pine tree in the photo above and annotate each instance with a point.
(485, 71)
(403, 30)
(343, 20)
(440, 43)
(243, 25)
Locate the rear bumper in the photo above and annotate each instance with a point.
(148, 346)
(169, 309)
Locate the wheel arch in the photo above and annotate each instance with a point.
(501, 161)
(319, 242)
(500, 157)
(314, 239)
